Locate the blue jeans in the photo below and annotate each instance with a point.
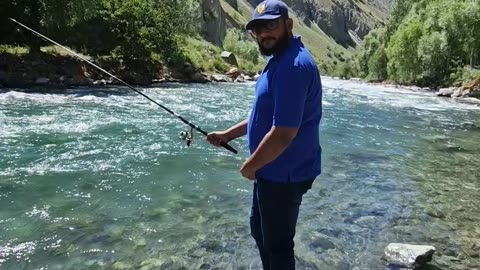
(273, 219)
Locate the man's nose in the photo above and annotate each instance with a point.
(261, 32)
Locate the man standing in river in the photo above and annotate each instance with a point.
(283, 134)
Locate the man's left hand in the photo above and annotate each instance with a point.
(248, 171)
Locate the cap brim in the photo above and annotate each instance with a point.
(250, 24)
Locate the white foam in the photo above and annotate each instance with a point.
(391, 96)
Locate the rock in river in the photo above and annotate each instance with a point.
(408, 256)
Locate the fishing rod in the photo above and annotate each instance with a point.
(186, 136)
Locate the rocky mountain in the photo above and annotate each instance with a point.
(330, 28)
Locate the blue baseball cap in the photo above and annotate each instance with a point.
(268, 10)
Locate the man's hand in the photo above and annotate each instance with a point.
(248, 171)
(216, 138)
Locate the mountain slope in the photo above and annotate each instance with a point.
(331, 29)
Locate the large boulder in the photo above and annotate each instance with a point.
(229, 57)
(199, 77)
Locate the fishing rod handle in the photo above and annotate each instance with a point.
(229, 148)
(223, 144)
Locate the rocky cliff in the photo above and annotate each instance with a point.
(346, 22)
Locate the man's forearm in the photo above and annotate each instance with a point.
(238, 130)
(272, 146)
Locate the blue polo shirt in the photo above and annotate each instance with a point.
(288, 93)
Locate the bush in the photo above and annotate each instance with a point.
(236, 43)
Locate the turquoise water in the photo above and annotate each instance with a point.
(98, 179)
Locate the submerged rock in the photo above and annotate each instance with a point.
(408, 256)
(121, 266)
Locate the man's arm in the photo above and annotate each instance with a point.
(270, 148)
(236, 131)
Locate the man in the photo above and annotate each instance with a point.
(283, 134)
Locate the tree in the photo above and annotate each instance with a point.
(373, 41)
(377, 65)
(433, 55)
(30, 13)
(402, 52)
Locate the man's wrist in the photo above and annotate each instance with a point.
(227, 135)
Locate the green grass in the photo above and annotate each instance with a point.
(15, 50)
(51, 50)
(56, 50)
(206, 57)
(377, 14)
(234, 14)
(245, 9)
(203, 55)
(464, 75)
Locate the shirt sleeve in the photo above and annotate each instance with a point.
(290, 90)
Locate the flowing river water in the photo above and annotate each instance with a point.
(99, 179)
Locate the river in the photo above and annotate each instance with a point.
(99, 179)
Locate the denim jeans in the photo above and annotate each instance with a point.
(273, 219)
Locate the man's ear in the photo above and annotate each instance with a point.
(290, 24)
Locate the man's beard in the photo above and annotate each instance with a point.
(282, 43)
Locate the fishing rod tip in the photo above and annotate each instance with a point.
(12, 19)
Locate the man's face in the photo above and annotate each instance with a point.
(271, 35)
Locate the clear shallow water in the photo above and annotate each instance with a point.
(90, 180)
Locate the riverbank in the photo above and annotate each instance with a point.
(51, 71)
(468, 92)
(60, 71)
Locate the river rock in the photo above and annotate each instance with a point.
(78, 80)
(220, 78)
(100, 82)
(321, 243)
(408, 256)
(121, 266)
(240, 79)
(457, 93)
(151, 263)
(233, 73)
(42, 80)
(474, 92)
(199, 77)
(3, 75)
(188, 68)
(256, 77)
(446, 92)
